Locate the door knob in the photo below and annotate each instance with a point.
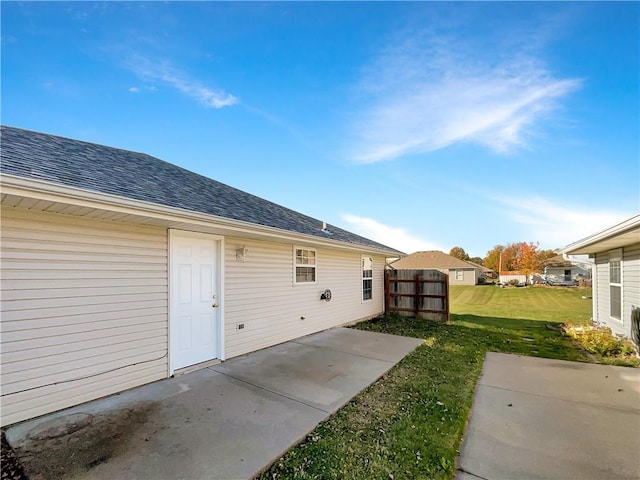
(214, 305)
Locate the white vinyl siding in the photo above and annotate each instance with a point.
(631, 285)
(79, 297)
(630, 277)
(259, 294)
(601, 277)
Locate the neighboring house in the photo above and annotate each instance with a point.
(615, 253)
(119, 269)
(560, 271)
(459, 271)
(483, 272)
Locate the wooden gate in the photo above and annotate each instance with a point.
(417, 293)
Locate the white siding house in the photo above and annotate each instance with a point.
(119, 269)
(560, 271)
(616, 272)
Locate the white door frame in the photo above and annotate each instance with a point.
(220, 281)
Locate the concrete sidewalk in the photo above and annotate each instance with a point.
(536, 418)
(228, 421)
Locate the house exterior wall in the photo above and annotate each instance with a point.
(630, 266)
(555, 275)
(79, 297)
(260, 293)
(85, 299)
(631, 284)
(469, 276)
(601, 291)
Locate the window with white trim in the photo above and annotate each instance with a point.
(459, 275)
(305, 265)
(615, 284)
(367, 278)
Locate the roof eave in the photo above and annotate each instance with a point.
(614, 237)
(44, 190)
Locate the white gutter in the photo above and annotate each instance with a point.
(628, 224)
(48, 191)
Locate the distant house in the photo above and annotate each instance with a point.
(119, 269)
(483, 272)
(459, 271)
(560, 271)
(615, 253)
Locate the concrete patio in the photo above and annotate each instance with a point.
(227, 421)
(536, 418)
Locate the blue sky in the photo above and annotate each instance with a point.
(420, 125)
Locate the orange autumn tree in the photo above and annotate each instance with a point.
(527, 260)
(522, 256)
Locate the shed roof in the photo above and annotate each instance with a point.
(138, 176)
(430, 259)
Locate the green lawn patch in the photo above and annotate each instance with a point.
(409, 424)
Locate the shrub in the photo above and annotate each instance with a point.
(514, 283)
(596, 339)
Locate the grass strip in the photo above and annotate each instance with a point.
(409, 424)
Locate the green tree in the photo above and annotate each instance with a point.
(545, 255)
(492, 258)
(459, 252)
(477, 260)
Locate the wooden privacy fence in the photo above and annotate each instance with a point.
(417, 293)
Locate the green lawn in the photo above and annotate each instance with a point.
(409, 423)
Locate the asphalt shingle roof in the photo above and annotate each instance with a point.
(558, 261)
(138, 176)
(430, 259)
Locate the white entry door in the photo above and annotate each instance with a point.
(195, 331)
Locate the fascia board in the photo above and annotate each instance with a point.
(43, 190)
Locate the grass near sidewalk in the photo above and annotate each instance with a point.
(408, 425)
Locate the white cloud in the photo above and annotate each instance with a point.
(151, 70)
(426, 93)
(555, 223)
(395, 237)
(134, 89)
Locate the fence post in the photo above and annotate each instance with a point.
(416, 295)
(446, 297)
(387, 293)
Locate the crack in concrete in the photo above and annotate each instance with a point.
(269, 390)
(590, 404)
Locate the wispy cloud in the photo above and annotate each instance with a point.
(555, 223)
(428, 92)
(395, 237)
(163, 72)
